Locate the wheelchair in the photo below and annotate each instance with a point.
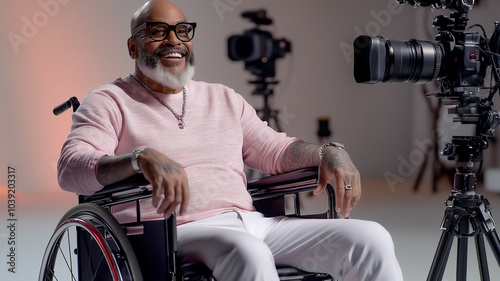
(89, 243)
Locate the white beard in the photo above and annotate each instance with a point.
(165, 78)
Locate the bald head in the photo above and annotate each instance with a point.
(157, 10)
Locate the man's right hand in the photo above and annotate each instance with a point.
(168, 179)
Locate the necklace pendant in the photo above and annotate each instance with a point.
(182, 125)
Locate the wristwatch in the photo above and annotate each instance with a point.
(134, 162)
(331, 143)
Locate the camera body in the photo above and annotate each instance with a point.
(256, 47)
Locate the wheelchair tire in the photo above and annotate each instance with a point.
(102, 245)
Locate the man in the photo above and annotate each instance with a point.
(190, 140)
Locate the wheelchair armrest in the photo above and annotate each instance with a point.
(126, 190)
(283, 184)
(137, 182)
(281, 194)
(283, 180)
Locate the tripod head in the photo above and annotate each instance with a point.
(466, 151)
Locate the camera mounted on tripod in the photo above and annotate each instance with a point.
(259, 50)
(459, 60)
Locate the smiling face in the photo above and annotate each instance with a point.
(170, 61)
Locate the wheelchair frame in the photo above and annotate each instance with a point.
(121, 248)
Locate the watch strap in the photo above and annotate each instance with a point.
(135, 157)
(326, 144)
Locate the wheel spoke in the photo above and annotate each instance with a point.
(70, 257)
(69, 264)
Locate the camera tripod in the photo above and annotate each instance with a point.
(267, 113)
(465, 209)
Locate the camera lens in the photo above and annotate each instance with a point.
(377, 59)
(252, 46)
(240, 47)
(412, 61)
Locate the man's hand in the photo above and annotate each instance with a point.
(168, 179)
(336, 166)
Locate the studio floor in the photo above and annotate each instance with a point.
(414, 220)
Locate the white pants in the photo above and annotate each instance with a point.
(247, 246)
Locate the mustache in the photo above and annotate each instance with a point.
(157, 53)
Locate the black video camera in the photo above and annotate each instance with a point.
(256, 47)
(459, 60)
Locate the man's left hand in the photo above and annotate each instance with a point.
(336, 167)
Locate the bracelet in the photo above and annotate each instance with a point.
(134, 162)
(326, 144)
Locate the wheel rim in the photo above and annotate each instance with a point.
(60, 261)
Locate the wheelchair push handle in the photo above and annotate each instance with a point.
(72, 102)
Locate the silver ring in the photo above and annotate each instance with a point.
(348, 187)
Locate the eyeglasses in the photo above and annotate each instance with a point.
(159, 31)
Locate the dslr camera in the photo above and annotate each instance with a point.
(257, 47)
(459, 60)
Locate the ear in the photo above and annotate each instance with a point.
(132, 48)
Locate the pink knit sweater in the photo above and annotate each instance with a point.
(222, 133)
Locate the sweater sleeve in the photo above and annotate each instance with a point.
(262, 145)
(94, 134)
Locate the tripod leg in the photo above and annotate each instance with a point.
(463, 227)
(492, 237)
(453, 216)
(481, 258)
(485, 222)
(441, 257)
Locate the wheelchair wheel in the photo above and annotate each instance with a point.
(89, 244)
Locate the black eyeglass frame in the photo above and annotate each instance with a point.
(170, 28)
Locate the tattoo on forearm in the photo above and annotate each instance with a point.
(300, 155)
(170, 167)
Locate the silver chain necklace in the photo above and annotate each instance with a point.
(180, 117)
